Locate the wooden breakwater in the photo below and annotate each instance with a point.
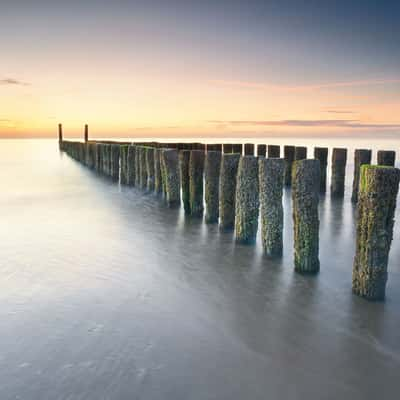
(241, 187)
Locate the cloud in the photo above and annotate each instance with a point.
(12, 81)
(289, 88)
(327, 123)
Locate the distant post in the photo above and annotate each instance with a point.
(361, 157)
(86, 133)
(339, 159)
(60, 133)
(386, 157)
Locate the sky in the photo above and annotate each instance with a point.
(199, 68)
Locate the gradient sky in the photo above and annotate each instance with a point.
(251, 68)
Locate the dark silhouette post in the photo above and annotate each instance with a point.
(184, 158)
(386, 157)
(288, 152)
(170, 172)
(300, 153)
(321, 154)
(196, 172)
(361, 157)
(86, 133)
(60, 133)
(274, 151)
(249, 149)
(212, 168)
(228, 148)
(339, 160)
(379, 186)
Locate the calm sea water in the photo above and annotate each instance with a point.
(107, 294)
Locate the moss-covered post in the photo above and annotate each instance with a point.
(130, 165)
(339, 160)
(305, 197)
(261, 150)
(271, 175)
(300, 153)
(237, 148)
(361, 157)
(115, 149)
(274, 151)
(184, 159)
(157, 171)
(212, 168)
(227, 190)
(386, 157)
(379, 186)
(170, 170)
(288, 152)
(321, 154)
(247, 200)
(228, 148)
(124, 164)
(150, 168)
(196, 172)
(249, 149)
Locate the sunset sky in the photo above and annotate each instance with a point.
(205, 68)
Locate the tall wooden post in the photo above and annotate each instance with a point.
(86, 133)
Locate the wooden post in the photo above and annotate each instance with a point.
(305, 197)
(271, 174)
(131, 164)
(212, 169)
(261, 150)
(274, 151)
(184, 159)
(249, 149)
(386, 157)
(361, 157)
(247, 201)
(237, 148)
(196, 171)
(289, 158)
(379, 186)
(86, 133)
(227, 190)
(170, 170)
(60, 133)
(300, 153)
(321, 154)
(228, 148)
(339, 159)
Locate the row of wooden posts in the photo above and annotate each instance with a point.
(238, 187)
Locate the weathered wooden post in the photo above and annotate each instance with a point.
(184, 159)
(170, 170)
(138, 172)
(375, 220)
(339, 160)
(300, 153)
(227, 190)
(274, 151)
(261, 150)
(386, 157)
(247, 201)
(321, 154)
(212, 170)
(115, 161)
(361, 157)
(143, 167)
(305, 197)
(86, 133)
(131, 163)
(288, 152)
(124, 164)
(271, 175)
(107, 149)
(60, 134)
(249, 149)
(150, 168)
(237, 148)
(196, 170)
(157, 171)
(228, 148)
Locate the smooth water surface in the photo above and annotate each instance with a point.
(107, 294)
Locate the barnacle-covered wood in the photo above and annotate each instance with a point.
(305, 197)
(386, 157)
(361, 157)
(271, 175)
(196, 172)
(227, 190)
(247, 200)
(321, 154)
(184, 158)
(211, 168)
(170, 171)
(288, 154)
(379, 186)
(339, 160)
